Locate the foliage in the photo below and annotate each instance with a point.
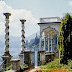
(70, 63)
(65, 39)
(24, 66)
(8, 68)
(34, 43)
(56, 65)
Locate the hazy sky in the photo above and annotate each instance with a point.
(43, 8)
(31, 10)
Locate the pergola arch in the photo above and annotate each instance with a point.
(50, 27)
(49, 30)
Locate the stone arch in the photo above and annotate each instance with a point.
(49, 27)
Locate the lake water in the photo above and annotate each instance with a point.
(14, 52)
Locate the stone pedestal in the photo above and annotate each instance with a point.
(21, 57)
(41, 55)
(6, 59)
(27, 57)
(15, 63)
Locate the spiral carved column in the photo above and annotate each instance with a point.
(7, 34)
(21, 55)
(23, 36)
(7, 57)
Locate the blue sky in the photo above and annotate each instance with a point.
(43, 8)
(31, 10)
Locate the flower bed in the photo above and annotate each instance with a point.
(56, 70)
(28, 70)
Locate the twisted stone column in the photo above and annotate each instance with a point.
(6, 56)
(23, 36)
(7, 33)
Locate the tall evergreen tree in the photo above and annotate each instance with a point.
(36, 40)
(65, 39)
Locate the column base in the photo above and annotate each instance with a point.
(6, 54)
(6, 59)
(21, 57)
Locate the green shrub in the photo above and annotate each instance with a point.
(65, 67)
(24, 66)
(70, 63)
(56, 65)
(8, 68)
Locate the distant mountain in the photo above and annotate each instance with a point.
(15, 42)
(32, 36)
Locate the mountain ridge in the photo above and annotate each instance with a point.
(15, 42)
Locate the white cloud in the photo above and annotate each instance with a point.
(15, 24)
(70, 3)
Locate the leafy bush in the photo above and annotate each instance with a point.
(8, 68)
(24, 66)
(56, 65)
(70, 63)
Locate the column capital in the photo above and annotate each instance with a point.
(40, 36)
(22, 21)
(7, 15)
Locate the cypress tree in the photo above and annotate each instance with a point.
(65, 40)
